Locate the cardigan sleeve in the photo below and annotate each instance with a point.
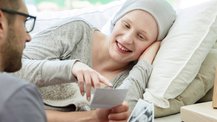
(136, 82)
(47, 59)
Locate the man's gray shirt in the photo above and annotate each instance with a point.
(19, 101)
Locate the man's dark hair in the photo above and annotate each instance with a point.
(10, 4)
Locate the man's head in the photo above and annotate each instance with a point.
(13, 33)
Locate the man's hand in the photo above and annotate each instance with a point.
(89, 77)
(150, 53)
(116, 114)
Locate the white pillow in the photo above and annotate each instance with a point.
(182, 53)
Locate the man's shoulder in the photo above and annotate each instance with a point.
(8, 81)
(10, 85)
(19, 99)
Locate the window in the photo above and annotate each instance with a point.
(56, 5)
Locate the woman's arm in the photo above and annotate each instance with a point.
(46, 59)
(136, 82)
(47, 72)
(151, 52)
(50, 58)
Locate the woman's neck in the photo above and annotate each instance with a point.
(102, 62)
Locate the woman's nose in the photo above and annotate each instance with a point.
(128, 37)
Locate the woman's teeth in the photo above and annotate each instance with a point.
(122, 47)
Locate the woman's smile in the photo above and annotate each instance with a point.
(121, 48)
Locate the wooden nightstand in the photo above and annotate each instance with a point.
(201, 112)
(214, 98)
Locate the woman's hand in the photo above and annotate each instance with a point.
(150, 53)
(119, 113)
(89, 77)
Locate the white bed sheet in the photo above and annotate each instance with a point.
(171, 118)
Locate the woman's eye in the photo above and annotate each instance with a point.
(141, 37)
(126, 25)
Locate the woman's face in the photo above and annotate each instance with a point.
(132, 34)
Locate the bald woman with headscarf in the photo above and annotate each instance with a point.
(75, 52)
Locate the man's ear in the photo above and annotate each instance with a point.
(1, 20)
(2, 23)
